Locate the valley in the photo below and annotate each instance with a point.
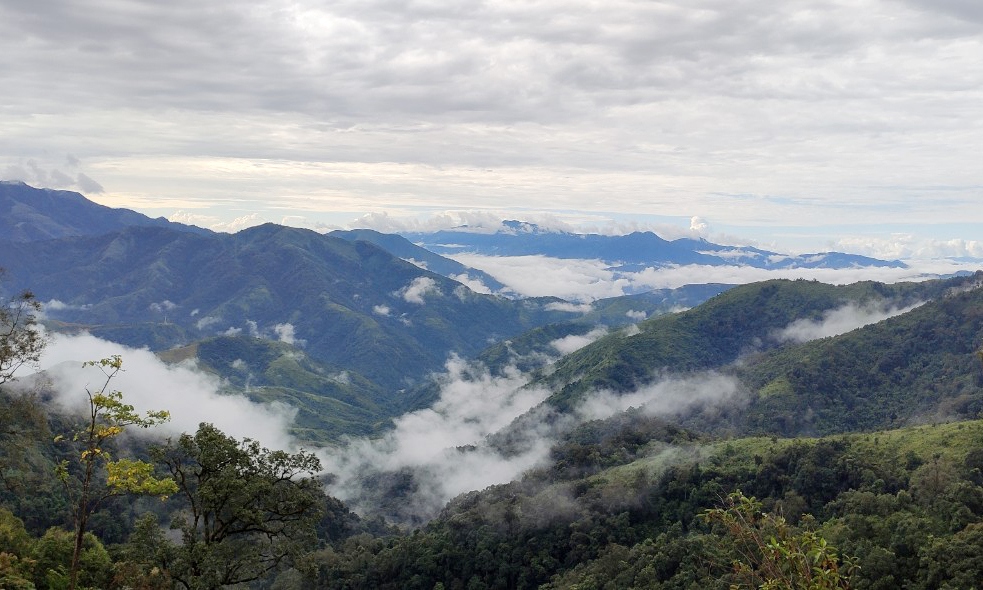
(445, 431)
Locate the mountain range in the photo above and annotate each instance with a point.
(808, 414)
(347, 306)
(349, 327)
(625, 252)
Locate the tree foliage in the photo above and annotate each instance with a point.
(107, 418)
(21, 339)
(772, 554)
(247, 510)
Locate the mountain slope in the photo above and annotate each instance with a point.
(403, 248)
(739, 321)
(921, 366)
(352, 305)
(29, 214)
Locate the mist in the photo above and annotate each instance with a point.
(444, 447)
(841, 320)
(575, 342)
(585, 280)
(485, 430)
(147, 383)
(667, 397)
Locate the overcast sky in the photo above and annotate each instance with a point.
(802, 125)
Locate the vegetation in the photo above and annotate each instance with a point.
(800, 485)
(245, 510)
(107, 418)
(21, 340)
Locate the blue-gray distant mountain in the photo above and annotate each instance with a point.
(29, 214)
(407, 250)
(633, 251)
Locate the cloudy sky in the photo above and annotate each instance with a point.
(801, 125)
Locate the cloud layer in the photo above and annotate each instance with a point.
(737, 113)
(587, 280)
(190, 396)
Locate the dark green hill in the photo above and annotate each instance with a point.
(921, 366)
(330, 401)
(737, 322)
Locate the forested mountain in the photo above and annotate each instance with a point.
(658, 415)
(916, 366)
(353, 304)
(624, 504)
(740, 321)
(349, 306)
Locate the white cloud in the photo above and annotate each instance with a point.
(699, 226)
(382, 310)
(841, 320)
(286, 333)
(538, 276)
(753, 114)
(58, 305)
(573, 342)
(907, 246)
(664, 398)
(207, 322)
(418, 289)
(162, 306)
(148, 384)
(567, 306)
(636, 315)
(474, 284)
(586, 280)
(472, 405)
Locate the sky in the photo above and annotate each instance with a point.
(802, 125)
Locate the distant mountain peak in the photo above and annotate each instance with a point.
(29, 214)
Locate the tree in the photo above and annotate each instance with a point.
(21, 342)
(107, 418)
(55, 548)
(773, 555)
(21, 339)
(248, 510)
(16, 548)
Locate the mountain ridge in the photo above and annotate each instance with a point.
(625, 252)
(30, 214)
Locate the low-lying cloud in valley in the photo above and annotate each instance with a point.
(443, 446)
(147, 383)
(456, 446)
(587, 280)
(575, 342)
(666, 397)
(418, 289)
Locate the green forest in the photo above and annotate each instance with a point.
(826, 478)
